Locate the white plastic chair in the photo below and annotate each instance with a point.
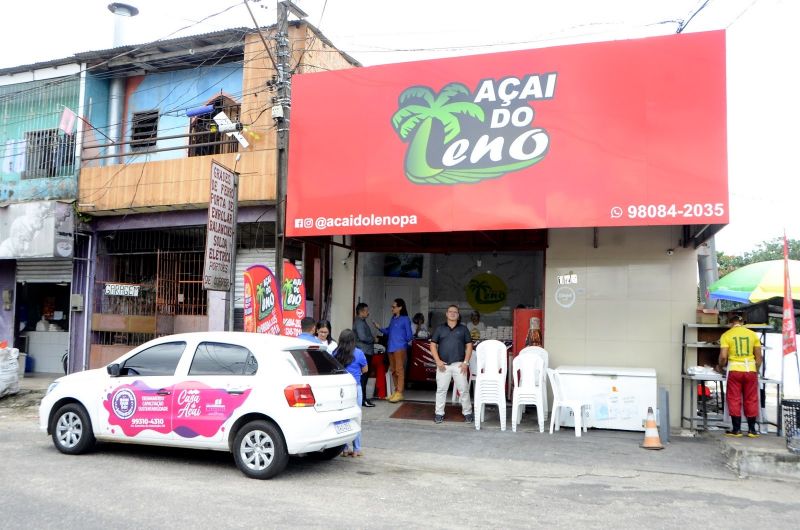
(541, 352)
(528, 370)
(579, 407)
(473, 363)
(490, 380)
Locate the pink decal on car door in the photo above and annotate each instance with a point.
(200, 410)
(136, 407)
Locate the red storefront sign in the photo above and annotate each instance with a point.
(621, 133)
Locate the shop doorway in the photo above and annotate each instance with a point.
(42, 324)
(493, 283)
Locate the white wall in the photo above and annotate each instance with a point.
(343, 274)
(630, 301)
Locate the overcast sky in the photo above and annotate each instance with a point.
(762, 73)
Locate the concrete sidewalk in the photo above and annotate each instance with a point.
(711, 454)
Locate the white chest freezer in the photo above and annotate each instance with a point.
(619, 397)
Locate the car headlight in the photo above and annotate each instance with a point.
(52, 387)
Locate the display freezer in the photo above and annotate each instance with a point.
(619, 397)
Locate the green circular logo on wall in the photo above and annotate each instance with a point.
(486, 292)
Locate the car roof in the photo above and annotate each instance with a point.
(250, 340)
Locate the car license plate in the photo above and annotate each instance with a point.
(342, 426)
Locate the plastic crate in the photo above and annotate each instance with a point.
(791, 424)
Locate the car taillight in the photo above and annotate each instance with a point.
(299, 396)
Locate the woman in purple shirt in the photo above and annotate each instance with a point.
(398, 334)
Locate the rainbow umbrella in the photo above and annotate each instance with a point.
(756, 282)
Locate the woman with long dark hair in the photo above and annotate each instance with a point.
(398, 334)
(355, 363)
(325, 335)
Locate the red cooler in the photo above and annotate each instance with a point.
(528, 328)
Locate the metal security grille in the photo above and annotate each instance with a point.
(166, 266)
(31, 144)
(145, 129)
(48, 154)
(205, 132)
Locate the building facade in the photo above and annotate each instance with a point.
(143, 146)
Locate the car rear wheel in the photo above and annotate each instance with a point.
(259, 450)
(72, 430)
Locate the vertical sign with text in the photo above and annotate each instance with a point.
(262, 310)
(221, 233)
(293, 300)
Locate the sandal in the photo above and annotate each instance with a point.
(357, 453)
(347, 453)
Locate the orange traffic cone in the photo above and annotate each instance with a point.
(652, 440)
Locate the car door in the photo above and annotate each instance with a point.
(138, 403)
(219, 381)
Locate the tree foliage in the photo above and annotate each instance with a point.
(765, 251)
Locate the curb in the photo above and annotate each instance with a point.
(23, 399)
(773, 464)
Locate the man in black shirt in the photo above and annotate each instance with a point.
(451, 346)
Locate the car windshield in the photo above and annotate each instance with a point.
(313, 361)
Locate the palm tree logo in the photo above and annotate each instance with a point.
(486, 292)
(287, 289)
(420, 108)
(262, 311)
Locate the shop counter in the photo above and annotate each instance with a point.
(422, 367)
(619, 397)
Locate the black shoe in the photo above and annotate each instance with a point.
(438, 418)
(368, 403)
(469, 418)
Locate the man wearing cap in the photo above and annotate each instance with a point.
(740, 351)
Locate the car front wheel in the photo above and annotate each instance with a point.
(259, 450)
(72, 430)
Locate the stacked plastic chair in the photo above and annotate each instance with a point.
(541, 352)
(580, 408)
(490, 380)
(529, 387)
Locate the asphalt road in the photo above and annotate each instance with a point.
(413, 474)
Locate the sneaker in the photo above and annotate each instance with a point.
(438, 418)
(469, 418)
(397, 396)
(753, 434)
(734, 434)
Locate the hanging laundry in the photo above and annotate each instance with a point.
(67, 121)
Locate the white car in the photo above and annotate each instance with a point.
(261, 397)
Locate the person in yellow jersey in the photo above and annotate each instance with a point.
(740, 351)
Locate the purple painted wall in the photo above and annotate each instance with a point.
(8, 279)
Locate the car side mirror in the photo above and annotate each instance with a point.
(113, 370)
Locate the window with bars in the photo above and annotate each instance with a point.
(145, 129)
(48, 154)
(205, 138)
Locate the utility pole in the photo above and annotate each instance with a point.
(281, 111)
